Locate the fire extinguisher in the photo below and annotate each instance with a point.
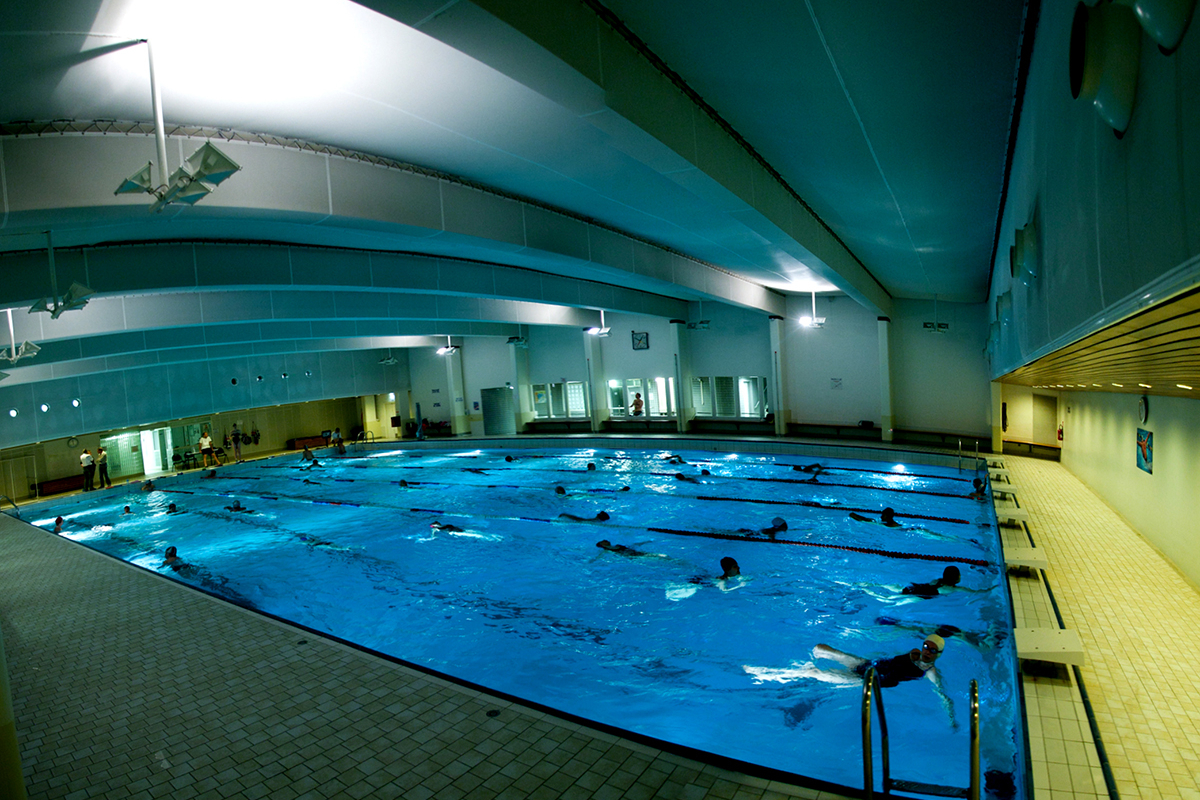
(1060, 431)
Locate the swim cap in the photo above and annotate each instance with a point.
(938, 641)
(780, 522)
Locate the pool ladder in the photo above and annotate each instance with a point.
(871, 687)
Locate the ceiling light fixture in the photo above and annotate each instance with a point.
(599, 331)
(76, 296)
(1145, 386)
(195, 178)
(814, 321)
(1183, 386)
(26, 350)
(1119, 385)
(448, 349)
(390, 360)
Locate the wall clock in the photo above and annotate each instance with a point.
(641, 341)
(72, 442)
(1143, 409)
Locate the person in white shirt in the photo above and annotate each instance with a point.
(206, 449)
(89, 469)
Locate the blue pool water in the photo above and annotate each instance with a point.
(524, 602)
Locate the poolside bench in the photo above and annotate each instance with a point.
(822, 431)
(1055, 645)
(69, 483)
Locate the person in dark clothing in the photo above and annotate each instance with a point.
(950, 578)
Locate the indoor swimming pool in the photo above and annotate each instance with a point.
(484, 565)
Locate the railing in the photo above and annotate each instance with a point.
(11, 502)
(364, 437)
(871, 690)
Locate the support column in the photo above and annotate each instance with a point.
(522, 389)
(683, 376)
(779, 396)
(460, 423)
(886, 421)
(597, 382)
(997, 418)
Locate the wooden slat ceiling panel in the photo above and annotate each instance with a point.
(1156, 351)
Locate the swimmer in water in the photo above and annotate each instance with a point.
(58, 525)
(950, 578)
(172, 559)
(445, 526)
(601, 517)
(886, 517)
(238, 507)
(730, 568)
(127, 510)
(171, 509)
(980, 492)
(605, 544)
(778, 525)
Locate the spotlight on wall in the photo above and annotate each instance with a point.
(519, 341)
(702, 325)
(1104, 57)
(16, 353)
(448, 349)
(196, 178)
(389, 360)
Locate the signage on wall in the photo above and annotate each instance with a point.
(1145, 450)
(835, 383)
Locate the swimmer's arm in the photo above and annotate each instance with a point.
(935, 677)
(860, 517)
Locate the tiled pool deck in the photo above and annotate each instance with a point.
(126, 685)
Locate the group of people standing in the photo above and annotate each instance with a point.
(90, 465)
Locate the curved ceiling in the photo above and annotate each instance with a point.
(629, 156)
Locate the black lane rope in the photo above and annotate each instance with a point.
(978, 562)
(672, 531)
(795, 481)
(810, 504)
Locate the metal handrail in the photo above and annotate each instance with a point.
(13, 503)
(871, 689)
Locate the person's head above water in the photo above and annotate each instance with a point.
(888, 515)
(951, 576)
(172, 552)
(730, 566)
(509, 459)
(779, 524)
(171, 508)
(932, 647)
(127, 511)
(591, 466)
(705, 472)
(978, 484)
(559, 490)
(602, 516)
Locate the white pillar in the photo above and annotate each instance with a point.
(683, 375)
(597, 383)
(460, 423)
(522, 389)
(886, 422)
(779, 397)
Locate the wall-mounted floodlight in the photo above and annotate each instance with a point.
(601, 330)
(448, 349)
(813, 321)
(389, 360)
(519, 341)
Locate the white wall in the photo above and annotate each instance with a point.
(622, 361)
(1099, 442)
(940, 381)
(556, 354)
(430, 387)
(1112, 214)
(737, 343)
(846, 348)
(134, 393)
(487, 364)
